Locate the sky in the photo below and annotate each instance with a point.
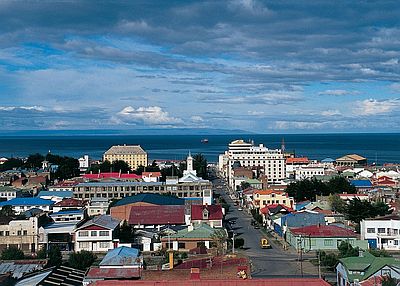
(258, 66)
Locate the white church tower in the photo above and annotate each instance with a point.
(189, 166)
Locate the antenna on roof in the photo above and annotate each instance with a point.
(283, 145)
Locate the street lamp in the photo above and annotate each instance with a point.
(233, 243)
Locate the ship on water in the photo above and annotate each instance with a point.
(205, 140)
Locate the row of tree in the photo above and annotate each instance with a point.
(310, 188)
(356, 210)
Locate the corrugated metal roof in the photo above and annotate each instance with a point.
(27, 202)
(214, 212)
(301, 219)
(61, 194)
(155, 199)
(121, 256)
(157, 215)
(98, 273)
(323, 231)
(105, 221)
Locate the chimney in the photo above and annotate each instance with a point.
(171, 260)
(194, 273)
(190, 227)
(360, 253)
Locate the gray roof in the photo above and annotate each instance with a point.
(19, 269)
(125, 150)
(105, 221)
(300, 219)
(121, 256)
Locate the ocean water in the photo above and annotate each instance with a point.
(380, 148)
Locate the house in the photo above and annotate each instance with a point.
(112, 175)
(119, 263)
(8, 193)
(254, 183)
(69, 204)
(297, 219)
(22, 233)
(151, 176)
(321, 237)
(211, 215)
(20, 268)
(61, 230)
(63, 186)
(349, 197)
(122, 209)
(149, 240)
(382, 232)
(192, 237)
(60, 275)
(97, 234)
(20, 205)
(362, 186)
(351, 160)
(355, 270)
(97, 206)
(262, 198)
(55, 196)
(156, 216)
(269, 211)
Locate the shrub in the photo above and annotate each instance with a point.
(12, 253)
(82, 259)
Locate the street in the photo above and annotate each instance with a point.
(274, 262)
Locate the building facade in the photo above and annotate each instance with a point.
(133, 155)
(264, 198)
(22, 233)
(382, 232)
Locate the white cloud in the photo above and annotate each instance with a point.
(330, 112)
(196, 118)
(151, 115)
(395, 87)
(255, 113)
(31, 108)
(374, 106)
(338, 92)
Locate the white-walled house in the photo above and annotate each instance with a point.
(97, 234)
(382, 232)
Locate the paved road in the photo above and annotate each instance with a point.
(274, 262)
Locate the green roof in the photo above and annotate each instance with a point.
(253, 181)
(200, 231)
(368, 264)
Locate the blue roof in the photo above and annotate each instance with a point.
(120, 256)
(361, 183)
(303, 219)
(155, 199)
(301, 205)
(27, 202)
(67, 212)
(61, 194)
(327, 160)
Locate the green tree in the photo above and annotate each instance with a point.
(381, 209)
(126, 233)
(7, 211)
(34, 161)
(219, 241)
(358, 210)
(82, 259)
(245, 185)
(200, 165)
(389, 281)
(338, 185)
(55, 257)
(10, 164)
(170, 171)
(347, 250)
(337, 204)
(151, 168)
(379, 252)
(12, 253)
(120, 166)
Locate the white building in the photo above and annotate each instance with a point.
(96, 235)
(98, 206)
(309, 172)
(271, 161)
(84, 163)
(9, 193)
(382, 232)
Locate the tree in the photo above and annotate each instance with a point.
(340, 185)
(34, 161)
(381, 209)
(200, 165)
(12, 253)
(151, 168)
(389, 281)
(126, 233)
(55, 257)
(347, 250)
(11, 164)
(245, 185)
(337, 204)
(379, 252)
(7, 211)
(219, 241)
(120, 166)
(82, 259)
(170, 171)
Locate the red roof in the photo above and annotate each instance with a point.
(157, 215)
(95, 273)
(323, 231)
(214, 212)
(70, 202)
(266, 209)
(303, 160)
(111, 175)
(151, 174)
(225, 282)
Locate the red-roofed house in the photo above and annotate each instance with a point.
(112, 175)
(297, 161)
(151, 176)
(146, 216)
(322, 237)
(211, 215)
(384, 181)
(69, 204)
(262, 198)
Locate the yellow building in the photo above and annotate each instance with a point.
(262, 198)
(134, 155)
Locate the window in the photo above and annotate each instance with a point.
(7, 233)
(84, 244)
(104, 244)
(181, 245)
(83, 233)
(1, 233)
(396, 242)
(381, 230)
(328, 242)
(103, 233)
(93, 233)
(370, 230)
(19, 232)
(25, 232)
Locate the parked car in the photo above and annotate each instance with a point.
(240, 209)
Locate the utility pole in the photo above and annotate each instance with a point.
(319, 264)
(233, 244)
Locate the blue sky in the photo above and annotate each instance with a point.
(260, 66)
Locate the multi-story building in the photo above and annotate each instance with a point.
(133, 155)
(97, 234)
(8, 193)
(382, 232)
(240, 153)
(309, 172)
(264, 198)
(22, 233)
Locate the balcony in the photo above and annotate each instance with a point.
(389, 234)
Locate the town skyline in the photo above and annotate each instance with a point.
(261, 67)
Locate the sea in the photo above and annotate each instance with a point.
(378, 148)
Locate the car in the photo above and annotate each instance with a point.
(232, 221)
(256, 226)
(240, 209)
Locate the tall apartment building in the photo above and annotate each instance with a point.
(270, 161)
(134, 155)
